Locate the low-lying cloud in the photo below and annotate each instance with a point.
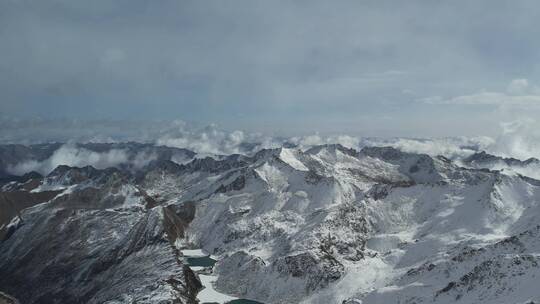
(518, 139)
(71, 155)
(206, 140)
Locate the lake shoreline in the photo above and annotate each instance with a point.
(202, 264)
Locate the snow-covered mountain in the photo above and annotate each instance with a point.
(323, 224)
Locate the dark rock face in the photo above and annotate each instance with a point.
(20, 179)
(482, 158)
(12, 203)
(166, 166)
(209, 164)
(493, 271)
(84, 267)
(236, 185)
(88, 246)
(320, 271)
(420, 168)
(177, 218)
(386, 153)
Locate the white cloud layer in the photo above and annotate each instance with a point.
(519, 139)
(71, 155)
(208, 140)
(518, 93)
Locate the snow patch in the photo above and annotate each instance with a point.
(288, 156)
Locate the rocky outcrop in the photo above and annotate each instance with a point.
(249, 276)
(12, 203)
(91, 246)
(481, 159)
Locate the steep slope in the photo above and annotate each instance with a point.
(425, 235)
(97, 241)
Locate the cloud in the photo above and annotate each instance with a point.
(206, 140)
(519, 93)
(493, 98)
(72, 155)
(518, 86)
(453, 148)
(519, 139)
(257, 65)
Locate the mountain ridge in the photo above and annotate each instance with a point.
(286, 225)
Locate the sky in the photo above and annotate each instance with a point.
(364, 68)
